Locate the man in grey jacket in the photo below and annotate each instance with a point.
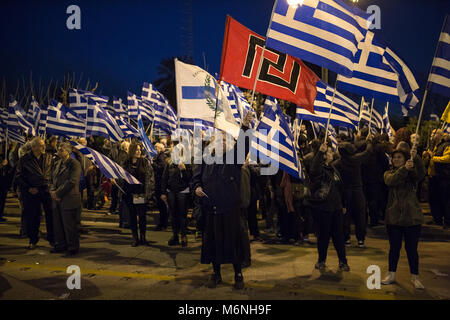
(66, 201)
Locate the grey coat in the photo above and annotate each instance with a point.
(65, 181)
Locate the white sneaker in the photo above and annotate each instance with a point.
(390, 278)
(416, 282)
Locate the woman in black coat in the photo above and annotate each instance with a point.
(225, 238)
(137, 196)
(326, 203)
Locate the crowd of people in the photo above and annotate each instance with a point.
(366, 180)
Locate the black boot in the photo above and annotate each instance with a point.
(174, 241)
(143, 240)
(135, 242)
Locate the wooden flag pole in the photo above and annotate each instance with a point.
(314, 131)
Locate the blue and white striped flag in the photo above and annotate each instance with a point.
(40, 122)
(108, 167)
(135, 103)
(78, 101)
(31, 112)
(439, 80)
(12, 121)
(273, 141)
(324, 32)
(101, 123)
(377, 118)
(61, 121)
(127, 129)
(120, 109)
(27, 127)
(386, 124)
(148, 146)
(345, 111)
(379, 73)
(238, 103)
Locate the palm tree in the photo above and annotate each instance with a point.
(165, 83)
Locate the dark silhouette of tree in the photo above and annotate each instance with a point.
(165, 83)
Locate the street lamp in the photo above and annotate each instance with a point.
(295, 3)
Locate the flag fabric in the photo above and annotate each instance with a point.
(31, 112)
(120, 109)
(101, 123)
(379, 73)
(345, 111)
(26, 125)
(324, 32)
(78, 101)
(377, 118)
(135, 103)
(40, 122)
(281, 76)
(439, 79)
(62, 121)
(238, 103)
(200, 98)
(12, 121)
(446, 115)
(148, 146)
(386, 124)
(165, 117)
(108, 167)
(127, 129)
(273, 140)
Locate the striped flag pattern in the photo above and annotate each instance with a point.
(148, 146)
(345, 111)
(120, 109)
(273, 141)
(62, 121)
(108, 167)
(439, 80)
(78, 101)
(324, 32)
(101, 123)
(26, 125)
(135, 103)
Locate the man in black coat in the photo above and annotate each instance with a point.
(158, 167)
(225, 238)
(32, 177)
(66, 197)
(6, 177)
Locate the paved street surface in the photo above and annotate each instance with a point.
(112, 269)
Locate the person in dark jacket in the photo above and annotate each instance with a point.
(159, 162)
(326, 202)
(33, 177)
(137, 196)
(6, 177)
(403, 214)
(66, 197)
(175, 191)
(225, 238)
(349, 167)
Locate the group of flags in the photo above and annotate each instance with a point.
(328, 33)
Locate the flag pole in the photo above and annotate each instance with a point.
(331, 109)
(426, 86)
(360, 110)
(262, 55)
(371, 114)
(314, 131)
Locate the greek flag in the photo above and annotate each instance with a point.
(62, 121)
(108, 167)
(148, 146)
(40, 122)
(238, 103)
(120, 109)
(31, 112)
(379, 73)
(377, 119)
(332, 135)
(135, 103)
(164, 116)
(439, 80)
(101, 123)
(324, 32)
(23, 122)
(386, 124)
(12, 122)
(127, 129)
(345, 112)
(78, 101)
(273, 141)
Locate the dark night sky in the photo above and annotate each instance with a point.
(121, 43)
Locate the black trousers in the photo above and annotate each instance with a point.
(439, 199)
(356, 210)
(252, 211)
(114, 198)
(135, 211)
(32, 211)
(374, 197)
(3, 193)
(411, 236)
(330, 225)
(163, 213)
(90, 197)
(66, 227)
(178, 211)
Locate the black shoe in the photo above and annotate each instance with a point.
(135, 243)
(173, 241)
(239, 282)
(214, 280)
(184, 241)
(343, 267)
(32, 246)
(58, 250)
(361, 244)
(320, 266)
(71, 253)
(144, 241)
